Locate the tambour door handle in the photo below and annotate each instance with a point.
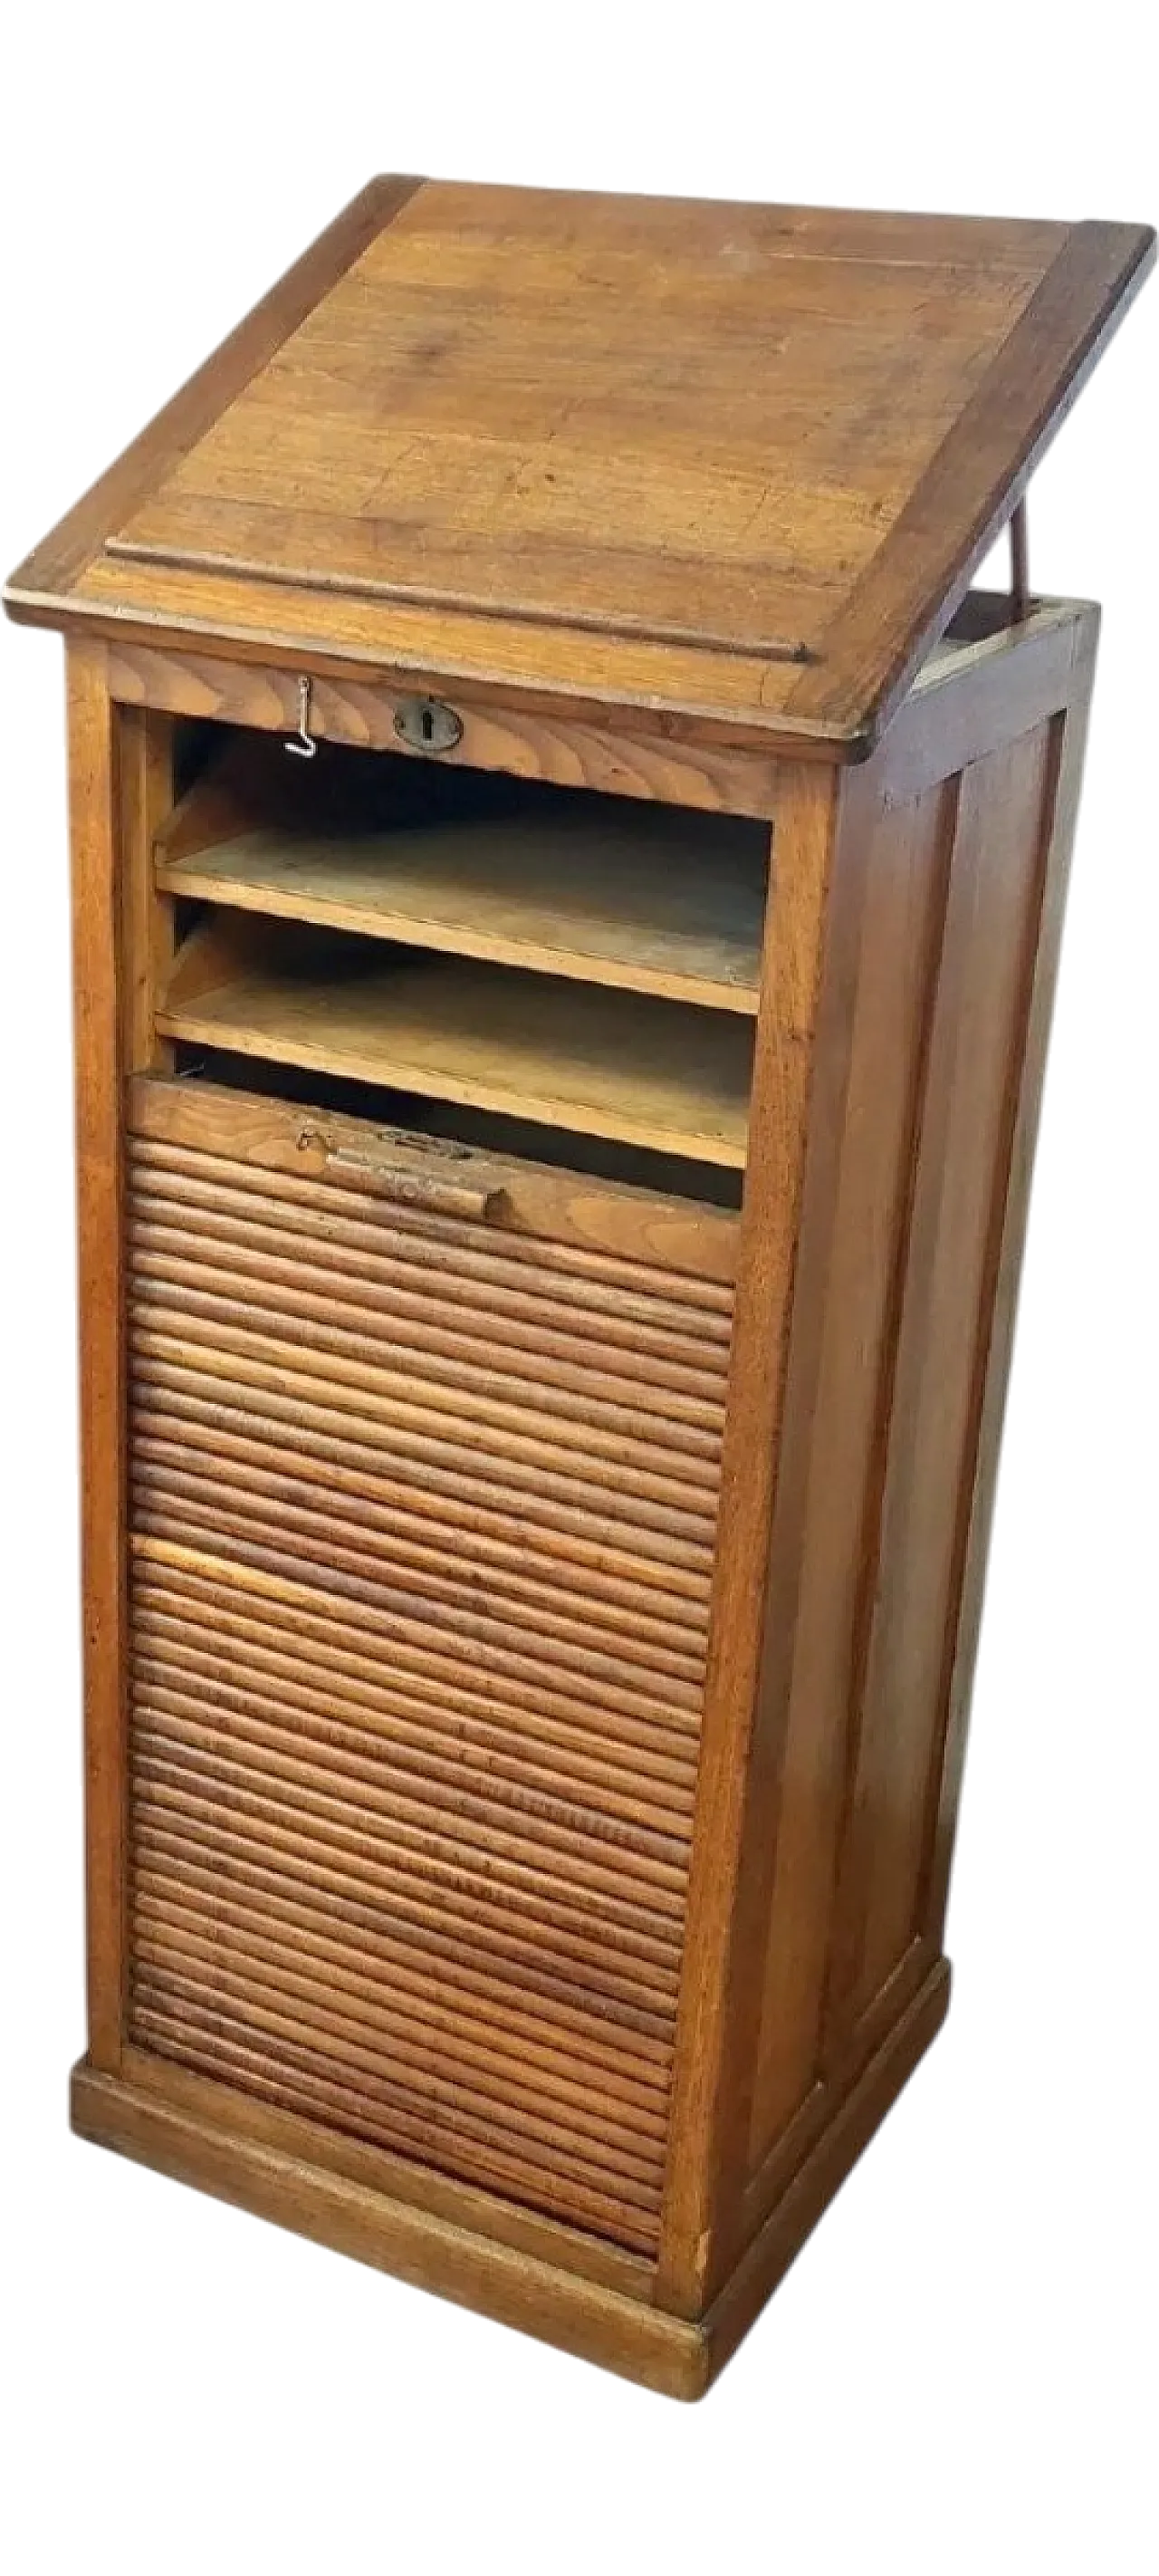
(431, 1190)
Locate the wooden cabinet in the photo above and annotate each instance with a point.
(568, 881)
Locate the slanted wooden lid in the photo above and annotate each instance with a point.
(728, 465)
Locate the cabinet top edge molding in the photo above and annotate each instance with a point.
(728, 465)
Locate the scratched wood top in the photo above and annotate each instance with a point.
(725, 464)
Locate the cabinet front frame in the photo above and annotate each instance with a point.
(121, 785)
(120, 713)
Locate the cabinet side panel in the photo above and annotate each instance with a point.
(92, 802)
(816, 1564)
(1070, 746)
(976, 1053)
(954, 864)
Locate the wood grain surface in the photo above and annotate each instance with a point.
(667, 1076)
(418, 1634)
(938, 977)
(640, 896)
(530, 1617)
(642, 453)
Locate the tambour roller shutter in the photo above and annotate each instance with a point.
(423, 1516)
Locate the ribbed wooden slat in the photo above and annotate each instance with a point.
(317, 2096)
(631, 1883)
(591, 1566)
(369, 1366)
(527, 1569)
(351, 1639)
(505, 1644)
(187, 1680)
(475, 1269)
(423, 1468)
(436, 1902)
(510, 1336)
(351, 1577)
(352, 1539)
(526, 2047)
(570, 1920)
(428, 2106)
(223, 1289)
(284, 1649)
(423, 1527)
(463, 1728)
(407, 1936)
(636, 1280)
(577, 1794)
(475, 1298)
(418, 2061)
(529, 1470)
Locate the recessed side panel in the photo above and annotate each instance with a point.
(976, 1050)
(811, 1648)
(954, 865)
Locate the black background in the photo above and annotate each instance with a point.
(995, 2204)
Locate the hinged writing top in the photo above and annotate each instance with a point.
(729, 466)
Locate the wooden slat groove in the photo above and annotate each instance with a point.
(402, 1926)
(362, 1589)
(222, 1594)
(554, 2113)
(405, 2125)
(503, 1326)
(645, 1970)
(607, 2033)
(423, 1520)
(371, 1360)
(284, 1753)
(217, 1283)
(571, 1905)
(422, 1714)
(467, 1927)
(685, 1488)
(161, 1487)
(314, 2031)
(342, 2107)
(640, 1284)
(562, 1553)
(432, 2126)
(638, 1750)
(501, 1645)
(210, 1688)
(519, 2040)
(372, 1270)
(663, 1535)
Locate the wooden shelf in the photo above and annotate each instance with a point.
(539, 1047)
(651, 899)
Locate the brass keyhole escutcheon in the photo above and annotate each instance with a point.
(426, 724)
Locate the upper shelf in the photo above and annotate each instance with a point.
(729, 466)
(650, 898)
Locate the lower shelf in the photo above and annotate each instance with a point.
(623, 1066)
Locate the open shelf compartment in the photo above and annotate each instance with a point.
(651, 899)
(536, 1047)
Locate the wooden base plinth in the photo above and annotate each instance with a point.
(666, 2353)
